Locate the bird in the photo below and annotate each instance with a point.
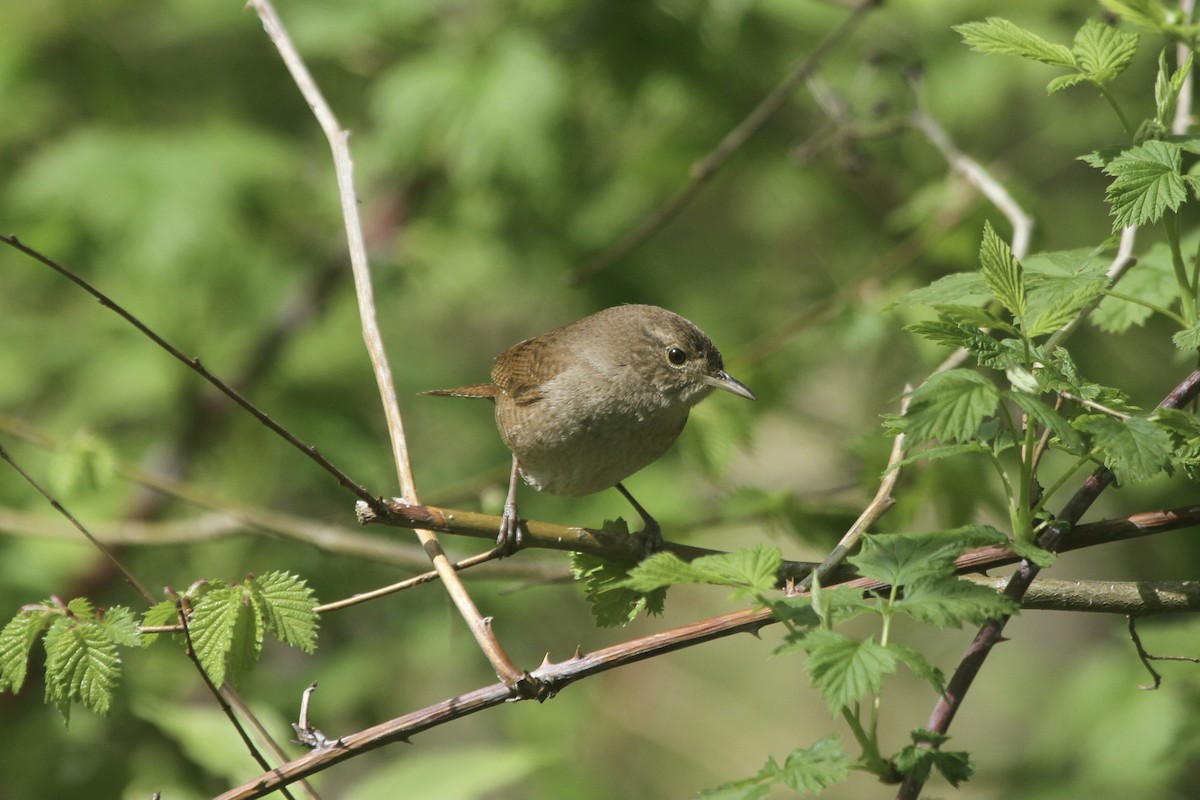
(584, 406)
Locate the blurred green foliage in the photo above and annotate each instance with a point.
(160, 149)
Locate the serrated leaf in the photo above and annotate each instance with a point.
(245, 642)
(950, 406)
(1048, 418)
(1065, 82)
(1147, 13)
(1151, 280)
(159, 614)
(845, 670)
(920, 666)
(905, 558)
(960, 288)
(948, 603)
(659, 571)
(750, 571)
(996, 35)
(81, 608)
(1188, 338)
(838, 604)
(16, 640)
(287, 606)
(1135, 449)
(1053, 302)
(918, 759)
(120, 627)
(1002, 272)
(212, 624)
(611, 604)
(82, 664)
(805, 770)
(976, 317)
(1147, 183)
(1032, 553)
(1102, 51)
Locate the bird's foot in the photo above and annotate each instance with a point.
(508, 539)
(652, 538)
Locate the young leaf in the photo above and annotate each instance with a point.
(1147, 183)
(1152, 280)
(612, 605)
(845, 670)
(806, 770)
(82, 664)
(245, 641)
(1187, 339)
(920, 666)
(996, 35)
(1146, 13)
(900, 559)
(950, 406)
(959, 288)
(164, 613)
(918, 759)
(750, 571)
(1102, 51)
(948, 603)
(16, 640)
(286, 603)
(1135, 449)
(212, 625)
(120, 627)
(1002, 272)
(1047, 417)
(1032, 553)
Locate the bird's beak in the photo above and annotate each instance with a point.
(723, 380)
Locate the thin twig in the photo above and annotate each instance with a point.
(704, 170)
(99, 545)
(195, 365)
(879, 505)
(344, 167)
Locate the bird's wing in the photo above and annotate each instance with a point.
(521, 370)
(483, 390)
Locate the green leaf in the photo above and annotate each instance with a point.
(1002, 272)
(612, 604)
(1146, 13)
(1048, 418)
(806, 770)
(1102, 51)
(948, 603)
(950, 406)
(16, 640)
(996, 35)
(1065, 82)
(1167, 85)
(1032, 553)
(1055, 301)
(1151, 280)
(215, 618)
(82, 665)
(287, 606)
(845, 670)
(1187, 339)
(918, 759)
(245, 640)
(750, 571)
(838, 604)
(960, 288)
(120, 627)
(943, 451)
(905, 558)
(920, 666)
(1135, 449)
(164, 613)
(1147, 183)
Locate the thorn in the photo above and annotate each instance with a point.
(545, 661)
(578, 653)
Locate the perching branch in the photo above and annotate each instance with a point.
(338, 138)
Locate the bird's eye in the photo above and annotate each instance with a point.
(676, 356)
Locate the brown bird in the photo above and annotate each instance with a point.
(585, 406)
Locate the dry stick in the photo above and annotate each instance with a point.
(1051, 539)
(555, 676)
(878, 506)
(195, 365)
(480, 626)
(703, 171)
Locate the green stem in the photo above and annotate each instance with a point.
(1187, 297)
(1066, 476)
(1112, 101)
(874, 762)
(1166, 312)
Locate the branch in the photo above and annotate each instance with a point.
(704, 169)
(1051, 539)
(344, 167)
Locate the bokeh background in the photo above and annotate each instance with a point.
(160, 149)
